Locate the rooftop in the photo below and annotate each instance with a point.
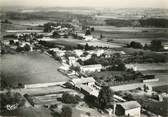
(92, 66)
(83, 80)
(130, 105)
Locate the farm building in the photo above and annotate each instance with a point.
(78, 52)
(91, 68)
(64, 67)
(24, 31)
(40, 85)
(58, 51)
(72, 60)
(88, 90)
(131, 66)
(84, 58)
(86, 85)
(88, 81)
(98, 52)
(130, 108)
(89, 38)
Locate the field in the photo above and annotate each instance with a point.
(102, 44)
(29, 112)
(125, 35)
(74, 42)
(17, 26)
(161, 89)
(64, 42)
(143, 41)
(160, 70)
(159, 108)
(30, 68)
(150, 66)
(30, 22)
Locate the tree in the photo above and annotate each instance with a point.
(70, 99)
(88, 32)
(55, 56)
(105, 97)
(11, 42)
(146, 46)
(55, 34)
(91, 100)
(101, 36)
(86, 46)
(121, 66)
(80, 62)
(92, 29)
(48, 27)
(20, 85)
(81, 47)
(85, 53)
(6, 21)
(19, 49)
(136, 45)
(27, 47)
(66, 111)
(156, 45)
(75, 68)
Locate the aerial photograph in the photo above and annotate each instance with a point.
(83, 58)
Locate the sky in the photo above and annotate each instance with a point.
(88, 3)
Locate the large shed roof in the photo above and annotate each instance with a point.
(130, 105)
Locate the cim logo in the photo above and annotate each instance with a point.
(11, 107)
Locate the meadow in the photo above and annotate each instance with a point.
(30, 68)
(161, 89)
(125, 35)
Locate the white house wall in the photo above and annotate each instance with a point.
(136, 112)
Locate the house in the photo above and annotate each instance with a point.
(78, 52)
(91, 68)
(129, 108)
(131, 66)
(86, 81)
(165, 46)
(84, 58)
(88, 38)
(58, 51)
(86, 85)
(64, 67)
(72, 73)
(98, 52)
(72, 60)
(54, 49)
(109, 53)
(89, 90)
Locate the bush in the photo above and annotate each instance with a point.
(11, 99)
(70, 99)
(91, 101)
(156, 45)
(135, 45)
(105, 97)
(66, 112)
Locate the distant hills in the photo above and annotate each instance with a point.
(148, 17)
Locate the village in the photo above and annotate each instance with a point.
(127, 92)
(76, 62)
